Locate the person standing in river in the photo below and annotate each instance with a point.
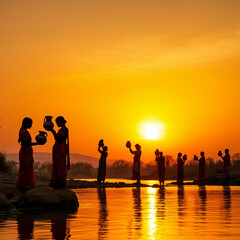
(226, 165)
(201, 168)
(136, 162)
(180, 168)
(102, 162)
(160, 159)
(26, 174)
(60, 155)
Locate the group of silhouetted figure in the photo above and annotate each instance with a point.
(160, 159)
(61, 160)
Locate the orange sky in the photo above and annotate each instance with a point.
(106, 66)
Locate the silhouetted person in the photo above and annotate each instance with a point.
(102, 162)
(180, 168)
(103, 213)
(226, 166)
(60, 156)
(201, 168)
(26, 174)
(136, 163)
(161, 167)
(25, 227)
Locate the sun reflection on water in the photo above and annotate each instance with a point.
(152, 218)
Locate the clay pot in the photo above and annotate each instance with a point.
(157, 152)
(48, 124)
(41, 137)
(219, 153)
(128, 144)
(101, 144)
(195, 157)
(185, 157)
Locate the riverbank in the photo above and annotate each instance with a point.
(43, 197)
(6, 178)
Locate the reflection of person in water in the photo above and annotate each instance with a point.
(60, 230)
(103, 213)
(136, 193)
(25, 227)
(180, 198)
(160, 159)
(26, 176)
(227, 197)
(161, 203)
(203, 197)
(60, 153)
(136, 163)
(180, 168)
(102, 163)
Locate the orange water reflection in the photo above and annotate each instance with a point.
(137, 213)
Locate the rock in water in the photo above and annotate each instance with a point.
(51, 199)
(42, 198)
(67, 197)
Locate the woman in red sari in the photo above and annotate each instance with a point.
(160, 159)
(26, 175)
(136, 163)
(60, 155)
(180, 168)
(201, 168)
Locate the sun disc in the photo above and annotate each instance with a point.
(152, 130)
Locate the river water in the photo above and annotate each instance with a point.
(192, 212)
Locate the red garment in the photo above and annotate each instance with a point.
(136, 165)
(59, 167)
(161, 168)
(226, 165)
(201, 169)
(26, 174)
(180, 171)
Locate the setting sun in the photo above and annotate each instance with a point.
(152, 130)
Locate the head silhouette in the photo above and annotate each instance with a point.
(60, 121)
(137, 146)
(105, 148)
(179, 155)
(161, 153)
(27, 123)
(227, 151)
(202, 154)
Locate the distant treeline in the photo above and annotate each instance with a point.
(123, 169)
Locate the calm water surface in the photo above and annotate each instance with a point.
(136, 213)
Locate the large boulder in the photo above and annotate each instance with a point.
(42, 198)
(51, 199)
(67, 197)
(8, 190)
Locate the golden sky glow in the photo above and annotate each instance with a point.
(108, 66)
